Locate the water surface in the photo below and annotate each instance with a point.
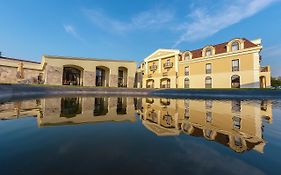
(125, 135)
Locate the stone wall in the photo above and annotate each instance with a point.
(131, 82)
(8, 74)
(53, 75)
(89, 78)
(113, 80)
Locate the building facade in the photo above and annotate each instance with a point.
(232, 64)
(57, 70)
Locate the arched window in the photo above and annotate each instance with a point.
(186, 82)
(235, 81)
(234, 46)
(208, 82)
(208, 52)
(187, 56)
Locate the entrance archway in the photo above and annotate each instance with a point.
(102, 76)
(235, 81)
(262, 82)
(72, 75)
(122, 76)
(165, 83)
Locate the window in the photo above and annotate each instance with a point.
(237, 141)
(208, 133)
(186, 109)
(209, 117)
(208, 68)
(236, 106)
(186, 71)
(186, 82)
(208, 52)
(235, 81)
(235, 46)
(236, 122)
(208, 82)
(187, 56)
(235, 65)
(208, 104)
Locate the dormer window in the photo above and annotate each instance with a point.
(187, 57)
(208, 52)
(235, 46)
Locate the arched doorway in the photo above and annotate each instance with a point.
(235, 81)
(72, 75)
(122, 76)
(150, 83)
(102, 76)
(262, 82)
(208, 82)
(165, 83)
(186, 82)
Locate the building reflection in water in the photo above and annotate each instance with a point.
(236, 124)
(233, 123)
(70, 107)
(101, 106)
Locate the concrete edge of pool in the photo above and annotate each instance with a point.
(11, 92)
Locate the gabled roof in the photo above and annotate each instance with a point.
(162, 53)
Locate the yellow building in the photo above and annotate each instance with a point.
(232, 64)
(58, 70)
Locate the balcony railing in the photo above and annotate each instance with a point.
(153, 68)
(186, 73)
(264, 69)
(168, 65)
(149, 75)
(165, 73)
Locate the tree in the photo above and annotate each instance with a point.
(275, 82)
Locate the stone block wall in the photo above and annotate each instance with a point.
(89, 78)
(53, 75)
(113, 80)
(131, 82)
(8, 74)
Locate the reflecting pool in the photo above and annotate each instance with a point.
(126, 135)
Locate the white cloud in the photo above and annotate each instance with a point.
(147, 19)
(72, 31)
(205, 22)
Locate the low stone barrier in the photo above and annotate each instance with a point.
(11, 92)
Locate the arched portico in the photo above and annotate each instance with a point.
(122, 77)
(72, 75)
(102, 76)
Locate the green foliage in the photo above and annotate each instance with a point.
(275, 82)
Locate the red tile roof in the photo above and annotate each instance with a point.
(221, 48)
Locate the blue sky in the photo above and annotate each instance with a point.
(132, 30)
